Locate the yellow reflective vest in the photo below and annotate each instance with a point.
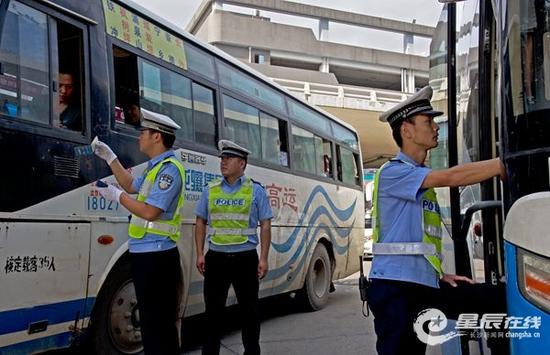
(230, 213)
(165, 228)
(430, 247)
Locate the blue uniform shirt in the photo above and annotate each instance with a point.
(400, 211)
(260, 211)
(165, 198)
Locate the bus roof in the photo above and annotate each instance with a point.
(179, 30)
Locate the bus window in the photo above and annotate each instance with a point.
(308, 117)
(68, 98)
(274, 145)
(345, 136)
(348, 172)
(234, 79)
(204, 115)
(242, 125)
(166, 92)
(323, 150)
(24, 64)
(303, 152)
(126, 87)
(200, 62)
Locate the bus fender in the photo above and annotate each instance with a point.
(117, 255)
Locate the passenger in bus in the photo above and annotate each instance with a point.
(68, 107)
(327, 166)
(528, 26)
(234, 204)
(406, 275)
(154, 229)
(133, 115)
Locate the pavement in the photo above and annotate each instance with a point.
(339, 328)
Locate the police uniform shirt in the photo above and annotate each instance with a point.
(400, 216)
(260, 211)
(164, 194)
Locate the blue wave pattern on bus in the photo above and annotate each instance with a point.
(342, 214)
(17, 320)
(56, 341)
(342, 233)
(283, 269)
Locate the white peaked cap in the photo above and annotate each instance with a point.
(158, 121)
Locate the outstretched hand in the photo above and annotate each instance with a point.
(452, 279)
(110, 192)
(103, 151)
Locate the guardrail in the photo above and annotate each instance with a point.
(342, 96)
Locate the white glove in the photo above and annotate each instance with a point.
(110, 192)
(103, 151)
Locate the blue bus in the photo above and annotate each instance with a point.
(490, 70)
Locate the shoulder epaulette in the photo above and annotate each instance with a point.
(256, 182)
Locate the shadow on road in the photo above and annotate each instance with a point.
(194, 328)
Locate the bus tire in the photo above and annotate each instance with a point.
(114, 325)
(318, 278)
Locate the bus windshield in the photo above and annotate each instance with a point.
(527, 122)
(530, 93)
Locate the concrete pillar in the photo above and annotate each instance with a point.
(408, 43)
(324, 67)
(323, 29)
(407, 80)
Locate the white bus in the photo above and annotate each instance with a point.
(63, 248)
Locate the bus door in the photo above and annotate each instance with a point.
(44, 275)
(486, 233)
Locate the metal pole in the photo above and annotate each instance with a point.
(462, 262)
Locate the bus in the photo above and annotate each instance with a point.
(490, 70)
(74, 70)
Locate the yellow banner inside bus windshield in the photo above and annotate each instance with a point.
(140, 33)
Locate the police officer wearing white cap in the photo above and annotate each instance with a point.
(228, 213)
(406, 275)
(154, 228)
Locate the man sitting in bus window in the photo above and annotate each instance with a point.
(132, 115)
(68, 107)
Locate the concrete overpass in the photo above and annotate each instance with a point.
(352, 82)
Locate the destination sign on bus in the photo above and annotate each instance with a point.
(140, 33)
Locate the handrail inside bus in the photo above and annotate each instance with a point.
(478, 206)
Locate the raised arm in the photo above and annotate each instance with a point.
(465, 174)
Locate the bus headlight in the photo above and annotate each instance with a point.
(534, 278)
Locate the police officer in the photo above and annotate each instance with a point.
(228, 213)
(406, 274)
(154, 228)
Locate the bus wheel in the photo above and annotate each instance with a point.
(115, 327)
(318, 278)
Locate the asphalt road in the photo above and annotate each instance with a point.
(339, 328)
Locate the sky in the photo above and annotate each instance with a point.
(425, 12)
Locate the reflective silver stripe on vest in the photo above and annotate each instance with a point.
(230, 231)
(403, 249)
(432, 231)
(154, 225)
(229, 216)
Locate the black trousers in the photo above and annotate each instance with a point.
(240, 270)
(157, 279)
(396, 304)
